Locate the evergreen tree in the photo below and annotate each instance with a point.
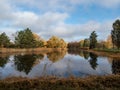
(93, 40)
(4, 40)
(25, 39)
(115, 33)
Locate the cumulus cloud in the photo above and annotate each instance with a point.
(50, 19)
(76, 32)
(5, 11)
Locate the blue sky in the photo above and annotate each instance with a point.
(71, 20)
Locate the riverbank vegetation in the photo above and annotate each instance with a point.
(52, 83)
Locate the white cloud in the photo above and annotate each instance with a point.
(71, 32)
(63, 5)
(51, 23)
(109, 3)
(52, 19)
(24, 19)
(5, 11)
(38, 22)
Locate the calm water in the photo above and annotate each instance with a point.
(60, 64)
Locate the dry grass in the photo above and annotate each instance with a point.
(51, 83)
(10, 51)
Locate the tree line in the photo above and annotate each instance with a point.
(113, 40)
(27, 39)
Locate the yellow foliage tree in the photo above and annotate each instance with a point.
(55, 42)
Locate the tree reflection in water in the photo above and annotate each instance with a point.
(86, 55)
(116, 66)
(3, 61)
(25, 62)
(93, 60)
(81, 53)
(76, 52)
(56, 55)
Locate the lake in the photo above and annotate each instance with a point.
(59, 64)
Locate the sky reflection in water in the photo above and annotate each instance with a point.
(60, 64)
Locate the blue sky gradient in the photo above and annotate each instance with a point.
(71, 20)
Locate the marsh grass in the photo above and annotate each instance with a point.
(51, 83)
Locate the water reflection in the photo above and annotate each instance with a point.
(60, 64)
(3, 61)
(81, 53)
(75, 52)
(55, 56)
(116, 66)
(25, 62)
(93, 60)
(86, 55)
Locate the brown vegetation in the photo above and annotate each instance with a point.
(4, 52)
(32, 50)
(90, 83)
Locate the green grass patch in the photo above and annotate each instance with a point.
(108, 50)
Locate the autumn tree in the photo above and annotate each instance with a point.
(101, 44)
(86, 43)
(109, 42)
(63, 44)
(4, 40)
(81, 42)
(93, 40)
(38, 41)
(115, 33)
(55, 42)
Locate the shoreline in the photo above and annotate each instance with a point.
(5, 51)
(11, 51)
(103, 53)
(29, 50)
(109, 82)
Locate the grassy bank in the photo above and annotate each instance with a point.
(30, 50)
(90, 83)
(113, 53)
